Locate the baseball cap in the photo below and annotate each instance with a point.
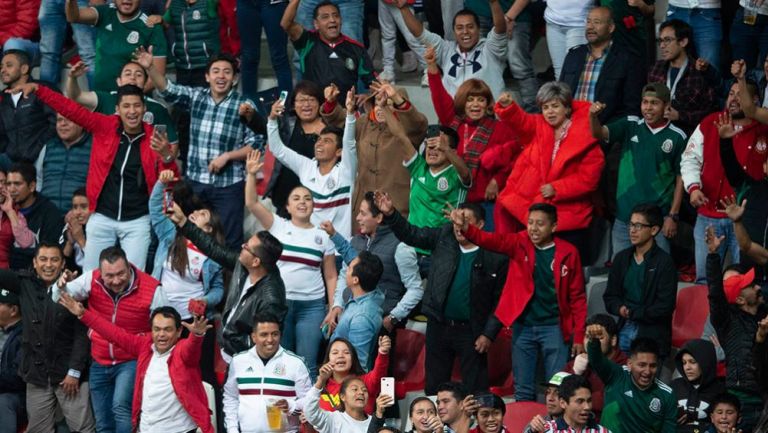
(556, 379)
(7, 297)
(733, 285)
(657, 90)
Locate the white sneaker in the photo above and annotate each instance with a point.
(409, 63)
(425, 79)
(387, 75)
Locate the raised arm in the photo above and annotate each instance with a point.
(348, 140)
(78, 15)
(508, 111)
(145, 58)
(288, 157)
(748, 105)
(735, 212)
(252, 166)
(69, 108)
(497, 13)
(288, 21)
(441, 99)
(718, 304)
(133, 344)
(419, 237)
(203, 241)
(414, 25)
(72, 87)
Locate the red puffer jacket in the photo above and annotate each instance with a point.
(574, 174)
(19, 19)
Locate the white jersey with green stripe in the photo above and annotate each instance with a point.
(252, 385)
(331, 192)
(300, 264)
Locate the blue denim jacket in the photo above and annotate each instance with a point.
(360, 323)
(165, 229)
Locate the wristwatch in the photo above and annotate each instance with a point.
(394, 320)
(675, 217)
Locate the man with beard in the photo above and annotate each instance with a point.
(121, 28)
(704, 176)
(736, 309)
(25, 123)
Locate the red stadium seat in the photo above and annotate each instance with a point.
(519, 414)
(690, 314)
(409, 362)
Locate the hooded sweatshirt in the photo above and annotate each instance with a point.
(694, 397)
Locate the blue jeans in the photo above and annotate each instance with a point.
(53, 31)
(228, 202)
(723, 227)
(11, 411)
(104, 232)
(301, 331)
(620, 238)
(351, 16)
(709, 31)
(627, 335)
(253, 15)
(112, 396)
(745, 38)
(526, 344)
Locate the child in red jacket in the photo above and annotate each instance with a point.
(543, 297)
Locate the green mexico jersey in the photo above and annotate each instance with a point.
(649, 165)
(627, 408)
(431, 192)
(156, 113)
(117, 40)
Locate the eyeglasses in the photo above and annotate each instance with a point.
(638, 226)
(247, 248)
(665, 41)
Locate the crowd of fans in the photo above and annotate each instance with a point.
(176, 242)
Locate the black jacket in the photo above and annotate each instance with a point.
(695, 397)
(25, 128)
(53, 340)
(489, 272)
(10, 381)
(45, 220)
(736, 331)
(267, 295)
(619, 85)
(659, 294)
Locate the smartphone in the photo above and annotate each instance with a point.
(433, 131)
(388, 386)
(161, 129)
(168, 200)
(326, 330)
(283, 96)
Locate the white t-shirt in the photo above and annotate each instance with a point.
(762, 10)
(161, 410)
(179, 290)
(302, 259)
(568, 13)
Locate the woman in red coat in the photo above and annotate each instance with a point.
(561, 163)
(487, 146)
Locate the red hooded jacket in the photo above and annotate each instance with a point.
(183, 367)
(106, 141)
(519, 287)
(19, 19)
(574, 174)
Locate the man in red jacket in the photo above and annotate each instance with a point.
(168, 392)
(121, 174)
(125, 296)
(543, 296)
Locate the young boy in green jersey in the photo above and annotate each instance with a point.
(649, 168)
(438, 177)
(635, 401)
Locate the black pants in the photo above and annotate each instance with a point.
(446, 341)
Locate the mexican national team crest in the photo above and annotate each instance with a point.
(655, 405)
(330, 184)
(196, 15)
(666, 146)
(442, 184)
(149, 117)
(133, 37)
(761, 146)
(318, 240)
(349, 64)
(279, 370)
